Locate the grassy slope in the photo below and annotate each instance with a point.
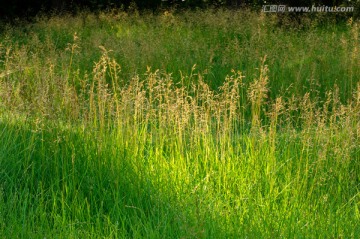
(89, 149)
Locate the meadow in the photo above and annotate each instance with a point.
(198, 124)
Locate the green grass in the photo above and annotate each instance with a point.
(95, 143)
(313, 56)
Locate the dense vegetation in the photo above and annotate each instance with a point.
(24, 8)
(204, 124)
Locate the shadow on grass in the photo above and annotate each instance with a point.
(63, 183)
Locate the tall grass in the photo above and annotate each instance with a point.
(313, 55)
(102, 154)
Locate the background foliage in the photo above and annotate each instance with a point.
(21, 8)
